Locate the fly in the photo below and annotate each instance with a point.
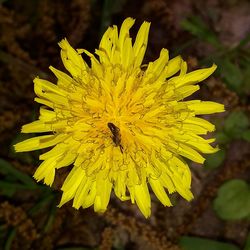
(116, 135)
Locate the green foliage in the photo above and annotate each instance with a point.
(196, 243)
(3, 232)
(234, 72)
(222, 138)
(46, 198)
(246, 135)
(244, 42)
(230, 72)
(236, 126)
(197, 27)
(14, 179)
(215, 160)
(10, 237)
(233, 62)
(50, 218)
(233, 200)
(247, 244)
(236, 123)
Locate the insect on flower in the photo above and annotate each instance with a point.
(162, 129)
(116, 135)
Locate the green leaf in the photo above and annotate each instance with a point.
(7, 168)
(3, 231)
(236, 123)
(12, 185)
(231, 73)
(9, 192)
(246, 135)
(48, 197)
(215, 160)
(222, 138)
(233, 200)
(198, 27)
(247, 244)
(10, 238)
(246, 75)
(8, 188)
(243, 42)
(196, 243)
(51, 218)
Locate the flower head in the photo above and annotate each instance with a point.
(122, 125)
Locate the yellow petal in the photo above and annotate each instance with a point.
(160, 192)
(103, 190)
(142, 199)
(36, 127)
(203, 108)
(82, 192)
(64, 80)
(46, 171)
(39, 142)
(72, 61)
(194, 76)
(140, 44)
(173, 66)
(71, 184)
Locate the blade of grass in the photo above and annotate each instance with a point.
(196, 26)
(41, 203)
(243, 42)
(10, 238)
(182, 47)
(6, 167)
(51, 218)
(11, 185)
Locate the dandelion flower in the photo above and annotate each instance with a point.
(121, 125)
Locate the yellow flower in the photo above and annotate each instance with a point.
(121, 124)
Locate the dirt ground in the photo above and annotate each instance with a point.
(29, 33)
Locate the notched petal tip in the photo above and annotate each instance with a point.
(63, 44)
(16, 148)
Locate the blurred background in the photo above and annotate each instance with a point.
(203, 32)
